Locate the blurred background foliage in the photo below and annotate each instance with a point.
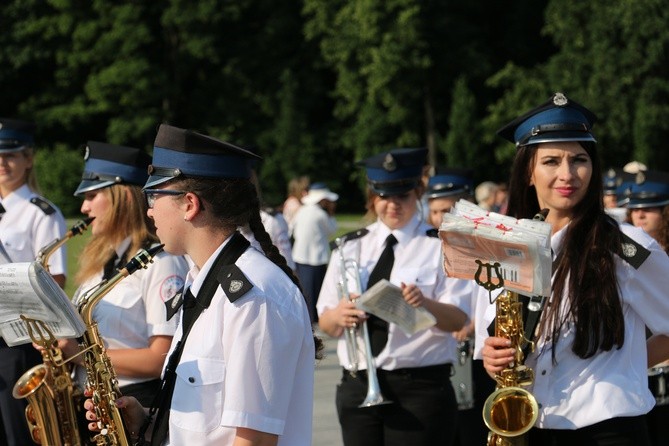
(316, 85)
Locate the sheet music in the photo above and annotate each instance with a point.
(385, 300)
(28, 289)
(472, 236)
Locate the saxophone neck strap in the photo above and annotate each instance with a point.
(163, 400)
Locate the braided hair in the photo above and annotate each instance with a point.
(222, 197)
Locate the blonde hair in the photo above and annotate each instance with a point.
(126, 217)
(298, 186)
(31, 177)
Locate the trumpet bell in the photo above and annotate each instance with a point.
(510, 411)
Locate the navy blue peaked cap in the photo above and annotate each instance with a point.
(178, 152)
(648, 189)
(558, 120)
(394, 172)
(107, 164)
(16, 135)
(447, 182)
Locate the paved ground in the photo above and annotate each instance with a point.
(328, 374)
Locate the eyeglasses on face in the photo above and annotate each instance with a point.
(152, 194)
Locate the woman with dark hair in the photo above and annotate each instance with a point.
(609, 282)
(241, 366)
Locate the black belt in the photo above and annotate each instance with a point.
(430, 371)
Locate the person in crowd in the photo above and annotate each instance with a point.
(28, 223)
(501, 198)
(297, 189)
(241, 365)
(613, 181)
(647, 201)
(131, 318)
(444, 189)
(609, 283)
(413, 369)
(485, 194)
(472, 383)
(313, 225)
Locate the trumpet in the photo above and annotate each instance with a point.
(374, 396)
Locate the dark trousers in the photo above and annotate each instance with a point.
(657, 420)
(145, 391)
(14, 362)
(423, 411)
(621, 431)
(311, 279)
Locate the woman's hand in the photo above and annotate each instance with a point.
(133, 414)
(70, 348)
(497, 354)
(412, 295)
(345, 315)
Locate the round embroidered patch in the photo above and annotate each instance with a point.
(170, 286)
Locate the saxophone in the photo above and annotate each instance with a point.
(510, 411)
(101, 381)
(48, 387)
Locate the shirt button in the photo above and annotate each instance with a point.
(543, 372)
(540, 405)
(191, 380)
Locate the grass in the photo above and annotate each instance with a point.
(345, 223)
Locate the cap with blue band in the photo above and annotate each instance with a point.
(395, 172)
(108, 164)
(648, 189)
(558, 120)
(447, 182)
(180, 152)
(16, 135)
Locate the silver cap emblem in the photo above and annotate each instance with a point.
(560, 99)
(389, 163)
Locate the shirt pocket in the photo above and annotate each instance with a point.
(424, 278)
(15, 242)
(197, 403)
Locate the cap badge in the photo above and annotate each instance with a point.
(235, 285)
(640, 178)
(560, 99)
(629, 250)
(87, 153)
(389, 163)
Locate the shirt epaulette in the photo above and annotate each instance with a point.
(632, 252)
(233, 282)
(349, 236)
(271, 211)
(44, 205)
(434, 232)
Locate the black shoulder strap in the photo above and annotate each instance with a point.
(349, 236)
(434, 232)
(163, 400)
(44, 205)
(632, 252)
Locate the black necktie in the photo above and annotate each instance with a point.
(109, 270)
(378, 328)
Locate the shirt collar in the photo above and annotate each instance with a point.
(21, 194)
(403, 234)
(195, 277)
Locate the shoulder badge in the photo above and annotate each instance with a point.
(349, 236)
(434, 232)
(233, 282)
(44, 205)
(632, 252)
(173, 304)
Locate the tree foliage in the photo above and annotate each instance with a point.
(319, 84)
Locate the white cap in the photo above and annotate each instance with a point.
(314, 196)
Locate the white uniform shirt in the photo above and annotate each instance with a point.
(277, 228)
(246, 364)
(134, 310)
(417, 261)
(25, 229)
(312, 226)
(580, 392)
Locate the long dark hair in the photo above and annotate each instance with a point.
(585, 268)
(234, 202)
